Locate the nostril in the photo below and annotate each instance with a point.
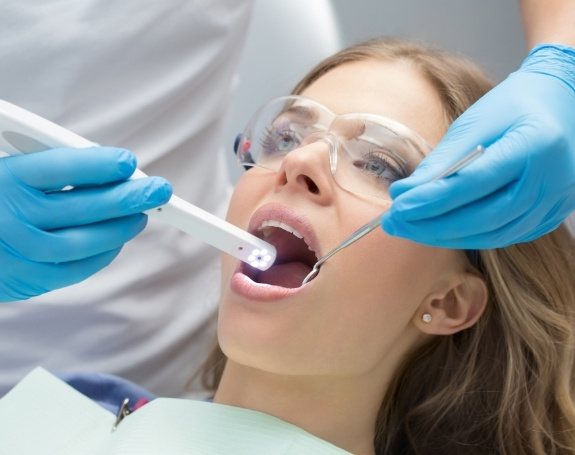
(311, 186)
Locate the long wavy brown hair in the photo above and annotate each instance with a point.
(504, 386)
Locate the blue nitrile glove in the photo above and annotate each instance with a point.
(51, 239)
(524, 184)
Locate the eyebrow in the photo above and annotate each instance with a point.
(302, 112)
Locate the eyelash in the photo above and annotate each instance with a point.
(268, 142)
(380, 156)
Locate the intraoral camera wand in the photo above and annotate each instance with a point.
(24, 132)
(367, 228)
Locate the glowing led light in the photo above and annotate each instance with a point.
(260, 259)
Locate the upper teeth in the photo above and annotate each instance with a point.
(279, 224)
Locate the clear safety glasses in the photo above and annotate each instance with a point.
(367, 153)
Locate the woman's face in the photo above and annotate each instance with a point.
(363, 309)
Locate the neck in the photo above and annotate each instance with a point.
(342, 411)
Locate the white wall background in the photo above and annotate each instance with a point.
(488, 31)
(287, 37)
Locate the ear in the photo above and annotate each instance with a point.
(456, 308)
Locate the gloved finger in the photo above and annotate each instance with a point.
(67, 273)
(499, 166)
(412, 232)
(477, 228)
(75, 243)
(90, 205)
(509, 234)
(59, 167)
(28, 279)
(490, 214)
(517, 228)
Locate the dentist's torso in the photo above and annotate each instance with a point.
(154, 77)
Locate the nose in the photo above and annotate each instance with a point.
(307, 171)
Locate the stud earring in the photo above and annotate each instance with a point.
(426, 318)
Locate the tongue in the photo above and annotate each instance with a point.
(288, 275)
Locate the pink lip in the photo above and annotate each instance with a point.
(242, 284)
(288, 216)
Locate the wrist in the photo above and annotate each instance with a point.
(555, 60)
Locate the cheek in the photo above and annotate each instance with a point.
(378, 285)
(242, 202)
(398, 267)
(249, 192)
(396, 272)
(380, 267)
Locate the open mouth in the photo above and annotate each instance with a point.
(295, 258)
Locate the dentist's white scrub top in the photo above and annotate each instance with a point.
(155, 77)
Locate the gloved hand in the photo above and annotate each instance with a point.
(51, 239)
(524, 184)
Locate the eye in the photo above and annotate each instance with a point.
(379, 164)
(279, 139)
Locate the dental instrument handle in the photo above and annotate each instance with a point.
(478, 151)
(370, 226)
(22, 131)
(356, 235)
(365, 229)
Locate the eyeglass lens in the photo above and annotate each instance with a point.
(366, 155)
